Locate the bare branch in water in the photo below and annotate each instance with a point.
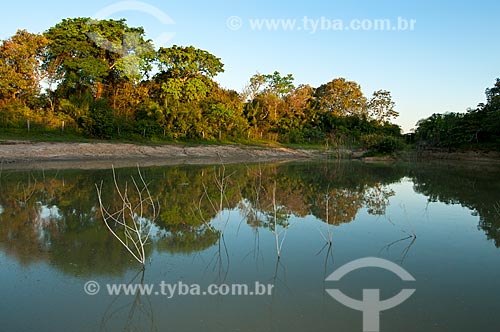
(129, 224)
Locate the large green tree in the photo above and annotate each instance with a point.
(184, 82)
(186, 73)
(222, 115)
(89, 55)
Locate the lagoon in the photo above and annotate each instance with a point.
(441, 223)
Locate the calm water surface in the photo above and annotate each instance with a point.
(53, 241)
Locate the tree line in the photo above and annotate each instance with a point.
(104, 79)
(477, 128)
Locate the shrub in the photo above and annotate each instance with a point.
(377, 143)
(99, 122)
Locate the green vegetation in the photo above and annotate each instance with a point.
(479, 128)
(103, 79)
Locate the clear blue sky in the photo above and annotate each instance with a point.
(445, 64)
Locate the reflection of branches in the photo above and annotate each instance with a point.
(251, 207)
(218, 259)
(258, 187)
(133, 229)
(138, 309)
(496, 206)
(329, 254)
(221, 182)
(255, 252)
(405, 251)
(328, 238)
(27, 192)
(276, 278)
(277, 234)
(274, 218)
(250, 210)
(412, 236)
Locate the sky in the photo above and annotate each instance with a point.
(443, 64)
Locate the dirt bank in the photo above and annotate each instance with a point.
(458, 156)
(25, 154)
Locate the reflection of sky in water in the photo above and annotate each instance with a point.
(146, 225)
(48, 213)
(1, 209)
(46, 216)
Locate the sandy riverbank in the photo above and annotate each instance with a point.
(441, 155)
(18, 154)
(25, 154)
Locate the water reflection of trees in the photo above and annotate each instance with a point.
(58, 223)
(54, 216)
(303, 189)
(476, 188)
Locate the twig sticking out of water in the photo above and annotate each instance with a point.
(279, 244)
(130, 222)
(328, 238)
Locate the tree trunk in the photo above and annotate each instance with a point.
(99, 90)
